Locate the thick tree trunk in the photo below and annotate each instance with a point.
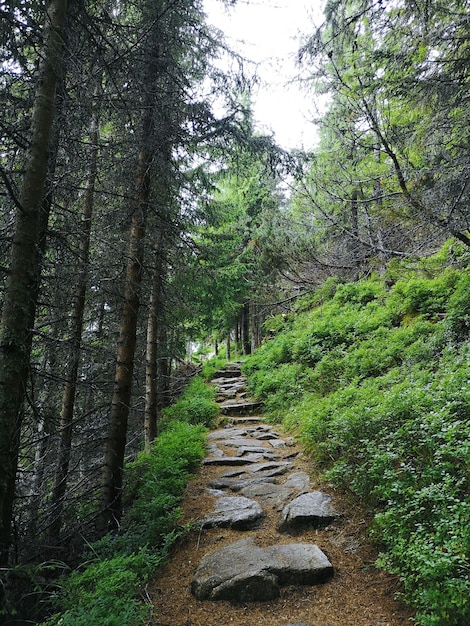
(78, 308)
(113, 467)
(22, 288)
(227, 348)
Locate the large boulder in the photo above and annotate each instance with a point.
(243, 572)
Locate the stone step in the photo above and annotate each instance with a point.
(232, 408)
(244, 572)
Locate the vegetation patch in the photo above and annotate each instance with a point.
(375, 381)
(106, 590)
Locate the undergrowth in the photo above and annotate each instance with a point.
(107, 589)
(375, 380)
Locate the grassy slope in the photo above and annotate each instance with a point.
(374, 377)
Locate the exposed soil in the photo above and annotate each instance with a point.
(357, 595)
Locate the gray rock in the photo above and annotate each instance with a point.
(214, 451)
(272, 467)
(299, 481)
(225, 433)
(270, 494)
(238, 484)
(242, 572)
(234, 512)
(254, 419)
(310, 509)
(233, 460)
(278, 444)
(267, 436)
(235, 407)
(215, 492)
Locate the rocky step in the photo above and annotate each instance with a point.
(232, 372)
(234, 407)
(244, 572)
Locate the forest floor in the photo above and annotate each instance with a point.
(358, 594)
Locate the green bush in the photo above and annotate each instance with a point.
(376, 385)
(195, 406)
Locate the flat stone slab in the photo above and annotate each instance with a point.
(267, 436)
(277, 444)
(237, 484)
(275, 468)
(235, 512)
(271, 495)
(309, 509)
(232, 460)
(235, 407)
(226, 433)
(243, 572)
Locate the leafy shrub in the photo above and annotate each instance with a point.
(212, 366)
(458, 309)
(106, 593)
(417, 295)
(195, 406)
(360, 293)
(377, 387)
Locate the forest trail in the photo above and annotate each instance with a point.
(248, 534)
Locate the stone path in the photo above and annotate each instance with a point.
(261, 472)
(259, 520)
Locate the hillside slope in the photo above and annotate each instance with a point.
(374, 377)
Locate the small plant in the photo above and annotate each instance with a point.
(195, 406)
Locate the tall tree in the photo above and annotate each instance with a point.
(24, 273)
(395, 84)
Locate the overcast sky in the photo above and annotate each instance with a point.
(268, 32)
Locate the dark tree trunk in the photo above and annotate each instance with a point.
(24, 276)
(71, 371)
(246, 343)
(153, 351)
(113, 467)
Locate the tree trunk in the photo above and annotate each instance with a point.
(246, 343)
(24, 276)
(78, 308)
(228, 353)
(113, 467)
(155, 320)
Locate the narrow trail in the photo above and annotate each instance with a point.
(275, 546)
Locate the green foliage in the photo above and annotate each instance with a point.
(195, 406)
(414, 295)
(384, 407)
(156, 481)
(212, 366)
(105, 591)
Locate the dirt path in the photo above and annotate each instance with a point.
(357, 594)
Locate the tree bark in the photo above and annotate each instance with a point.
(24, 276)
(113, 467)
(246, 343)
(71, 370)
(154, 334)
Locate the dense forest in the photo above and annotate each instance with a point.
(145, 218)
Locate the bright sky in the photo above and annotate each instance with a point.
(268, 32)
